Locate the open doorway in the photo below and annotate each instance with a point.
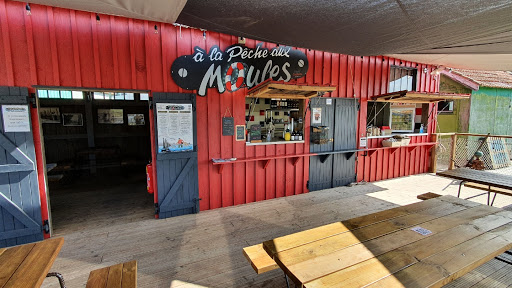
(97, 144)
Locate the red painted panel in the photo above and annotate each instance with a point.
(327, 69)
(17, 37)
(289, 176)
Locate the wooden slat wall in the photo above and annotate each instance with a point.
(69, 48)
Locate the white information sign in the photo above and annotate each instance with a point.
(175, 127)
(421, 230)
(317, 116)
(16, 118)
(362, 142)
(328, 101)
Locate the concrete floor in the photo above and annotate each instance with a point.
(205, 249)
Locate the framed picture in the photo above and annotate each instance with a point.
(136, 119)
(110, 116)
(240, 132)
(49, 114)
(72, 119)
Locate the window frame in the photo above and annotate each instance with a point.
(414, 72)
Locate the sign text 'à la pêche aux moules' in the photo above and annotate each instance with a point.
(236, 67)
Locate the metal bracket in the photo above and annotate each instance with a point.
(150, 102)
(32, 100)
(307, 184)
(157, 209)
(46, 227)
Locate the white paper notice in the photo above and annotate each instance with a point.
(175, 127)
(422, 231)
(317, 116)
(16, 118)
(362, 142)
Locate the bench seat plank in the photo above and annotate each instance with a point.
(259, 259)
(123, 275)
(486, 188)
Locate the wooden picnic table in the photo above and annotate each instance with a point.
(425, 244)
(484, 180)
(28, 265)
(479, 176)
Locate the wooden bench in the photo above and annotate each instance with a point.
(259, 259)
(122, 275)
(428, 195)
(489, 189)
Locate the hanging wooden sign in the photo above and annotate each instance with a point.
(228, 126)
(236, 67)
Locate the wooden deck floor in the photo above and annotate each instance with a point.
(206, 249)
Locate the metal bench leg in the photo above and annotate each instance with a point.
(460, 187)
(504, 260)
(493, 198)
(287, 282)
(59, 276)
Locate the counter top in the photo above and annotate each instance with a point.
(274, 142)
(403, 134)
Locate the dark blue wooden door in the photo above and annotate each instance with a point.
(345, 138)
(177, 182)
(20, 208)
(333, 170)
(320, 167)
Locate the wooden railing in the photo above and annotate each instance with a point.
(453, 146)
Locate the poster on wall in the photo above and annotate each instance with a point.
(136, 120)
(317, 116)
(110, 116)
(237, 67)
(175, 127)
(72, 119)
(49, 115)
(16, 118)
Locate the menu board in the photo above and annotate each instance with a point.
(16, 118)
(240, 132)
(175, 127)
(228, 126)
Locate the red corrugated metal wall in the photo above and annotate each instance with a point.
(60, 47)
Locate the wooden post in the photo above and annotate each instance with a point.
(433, 155)
(452, 153)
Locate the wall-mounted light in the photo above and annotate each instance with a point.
(156, 29)
(27, 8)
(425, 70)
(204, 34)
(241, 40)
(97, 18)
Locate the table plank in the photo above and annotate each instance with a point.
(98, 278)
(320, 266)
(11, 259)
(451, 264)
(343, 240)
(300, 238)
(115, 275)
(130, 274)
(388, 263)
(33, 270)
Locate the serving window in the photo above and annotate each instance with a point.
(271, 121)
